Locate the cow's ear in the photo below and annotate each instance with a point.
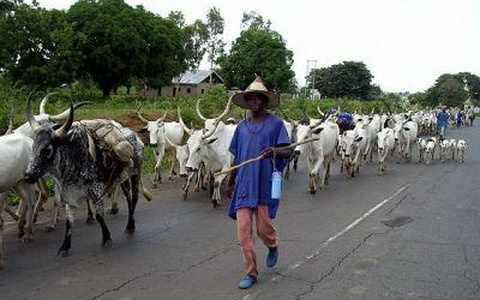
(406, 128)
(317, 131)
(212, 140)
(358, 139)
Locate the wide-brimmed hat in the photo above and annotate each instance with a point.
(257, 86)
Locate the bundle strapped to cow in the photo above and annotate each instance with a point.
(113, 154)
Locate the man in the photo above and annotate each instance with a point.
(442, 120)
(249, 187)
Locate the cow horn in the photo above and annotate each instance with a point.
(185, 127)
(61, 132)
(162, 118)
(320, 111)
(141, 117)
(285, 116)
(31, 119)
(225, 112)
(198, 110)
(44, 101)
(64, 115)
(10, 125)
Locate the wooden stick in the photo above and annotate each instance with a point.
(261, 156)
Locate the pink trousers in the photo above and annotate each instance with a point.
(265, 230)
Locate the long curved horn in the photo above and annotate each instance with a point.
(61, 132)
(185, 127)
(373, 111)
(320, 111)
(227, 109)
(41, 110)
(162, 118)
(33, 123)
(285, 116)
(198, 110)
(65, 114)
(10, 125)
(141, 117)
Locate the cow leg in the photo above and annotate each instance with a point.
(131, 192)
(172, 168)
(67, 241)
(295, 162)
(186, 186)
(158, 167)
(312, 185)
(90, 219)
(27, 193)
(106, 237)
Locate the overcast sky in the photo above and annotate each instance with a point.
(406, 44)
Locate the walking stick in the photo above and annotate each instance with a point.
(305, 141)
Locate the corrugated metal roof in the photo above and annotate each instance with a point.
(195, 77)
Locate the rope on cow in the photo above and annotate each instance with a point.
(291, 146)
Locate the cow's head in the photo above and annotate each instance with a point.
(303, 132)
(48, 139)
(155, 128)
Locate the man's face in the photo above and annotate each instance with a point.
(255, 102)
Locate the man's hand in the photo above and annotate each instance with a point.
(268, 152)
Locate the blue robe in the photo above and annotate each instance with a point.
(253, 181)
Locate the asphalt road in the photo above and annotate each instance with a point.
(411, 234)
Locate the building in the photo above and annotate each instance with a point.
(192, 83)
(468, 104)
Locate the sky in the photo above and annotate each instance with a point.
(406, 44)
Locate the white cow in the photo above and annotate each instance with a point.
(405, 137)
(445, 149)
(453, 147)
(386, 146)
(430, 149)
(16, 150)
(158, 130)
(461, 148)
(421, 146)
(354, 143)
(318, 153)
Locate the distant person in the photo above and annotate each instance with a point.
(442, 120)
(249, 187)
(459, 118)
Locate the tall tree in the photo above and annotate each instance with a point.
(215, 43)
(258, 51)
(348, 79)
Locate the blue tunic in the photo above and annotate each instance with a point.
(442, 120)
(253, 181)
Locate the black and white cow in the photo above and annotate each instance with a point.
(66, 153)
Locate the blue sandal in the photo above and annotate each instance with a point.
(272, 258)
(247, 282)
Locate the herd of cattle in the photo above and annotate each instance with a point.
(91, 159)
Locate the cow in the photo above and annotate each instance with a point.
(430, 149)
(353, 149)
(405, 136)
(82, 168)
(421, 146)
(461, 148)
(15, 151)
(210, 147)
(453, 147)
(318, 153)
(386, 146)
(158, 130)
(445, 149)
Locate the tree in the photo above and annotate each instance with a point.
(258, 51)
(37, 46)
(348, 79)
(215, 44)
(119, 42)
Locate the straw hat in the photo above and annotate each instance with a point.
(257, 86)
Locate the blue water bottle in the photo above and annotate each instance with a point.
(276, 185)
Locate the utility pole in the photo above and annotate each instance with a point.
(314, 61)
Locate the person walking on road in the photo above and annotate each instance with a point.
(442, 120)
(249, 187)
